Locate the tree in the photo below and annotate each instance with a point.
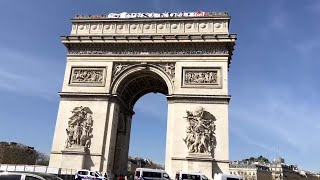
(42, 159)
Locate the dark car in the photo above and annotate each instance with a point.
(27, 176)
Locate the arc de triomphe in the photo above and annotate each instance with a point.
(112, 62)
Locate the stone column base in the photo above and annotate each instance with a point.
(73, 157)
(203, 163)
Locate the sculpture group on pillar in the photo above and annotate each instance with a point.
(200, 132)
(79, 131)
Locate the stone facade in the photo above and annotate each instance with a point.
(281, 171)
(251, 172)
(275, 170)
(111, 63)
(13, 153)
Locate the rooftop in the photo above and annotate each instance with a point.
(125, 15)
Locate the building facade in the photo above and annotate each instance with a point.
(281, 171)
(251, 172)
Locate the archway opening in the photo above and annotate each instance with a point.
(133, 84)
(140, 83)
(148, 132)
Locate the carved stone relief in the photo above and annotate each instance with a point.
(205, 77)
(201, 77)
(168, 68)
(119, 67)
(79, 131)
(150, 50)
(87, 76)
(200, 131)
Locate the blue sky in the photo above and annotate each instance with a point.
(273, 77)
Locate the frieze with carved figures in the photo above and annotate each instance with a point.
(86, 76)
(209, 77)
(154, 49)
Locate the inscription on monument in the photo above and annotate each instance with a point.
(200, 131)
(79, 131)
(87, 76)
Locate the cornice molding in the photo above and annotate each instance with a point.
(197, 99)
(82, 96)
(178, 49)
(200, 159)
(149, 38)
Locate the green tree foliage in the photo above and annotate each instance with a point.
(15, 153)
(260, 159)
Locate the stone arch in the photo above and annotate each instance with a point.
(149, 77)
(188, 64)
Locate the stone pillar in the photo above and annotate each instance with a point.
(122, 144)
(126, 143)
(110, 138)
(178, 155)
(74, 157)
(85, 155)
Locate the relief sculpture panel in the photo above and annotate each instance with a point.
(209, 77)
(79, 131)
(168, 68)
(87, 76)
(200, 131)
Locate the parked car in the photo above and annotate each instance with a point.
(150, 174)
(183, 175)
(86, 174)
(15, 175)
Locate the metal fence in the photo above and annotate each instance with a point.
(66, 174)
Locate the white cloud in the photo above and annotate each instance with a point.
(239, 132)
(278, 17)
(29, 75)
(307, 48)
(282, 116)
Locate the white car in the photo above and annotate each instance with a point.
(183, 175)
(86, 174)
(151, 174)
(220, 176)
(15, 175)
